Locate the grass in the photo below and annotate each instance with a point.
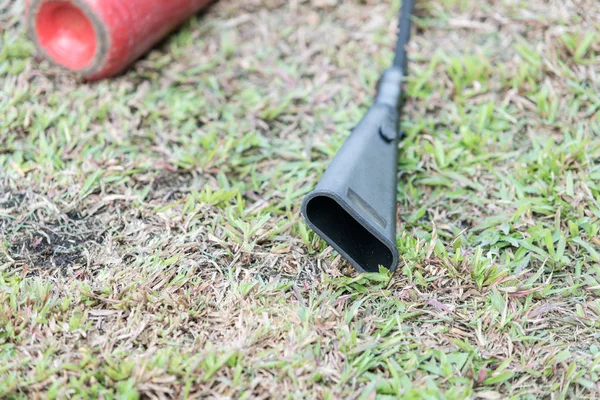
(151, 244)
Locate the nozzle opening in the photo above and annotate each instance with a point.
(347, 234)
(66, 34)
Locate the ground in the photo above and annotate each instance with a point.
(150, 237)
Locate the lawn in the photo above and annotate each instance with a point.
(150, 238)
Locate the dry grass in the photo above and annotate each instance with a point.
(151, 244)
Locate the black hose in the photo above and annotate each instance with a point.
(400, 58)
(354, 205)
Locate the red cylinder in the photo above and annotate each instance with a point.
(100, 38)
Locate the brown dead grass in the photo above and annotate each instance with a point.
(151, 242)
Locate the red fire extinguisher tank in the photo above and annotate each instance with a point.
(100, 38)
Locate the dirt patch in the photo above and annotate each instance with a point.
(58, 247)
(44, 250)
(40, 239)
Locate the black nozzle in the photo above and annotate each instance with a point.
(353, 207)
